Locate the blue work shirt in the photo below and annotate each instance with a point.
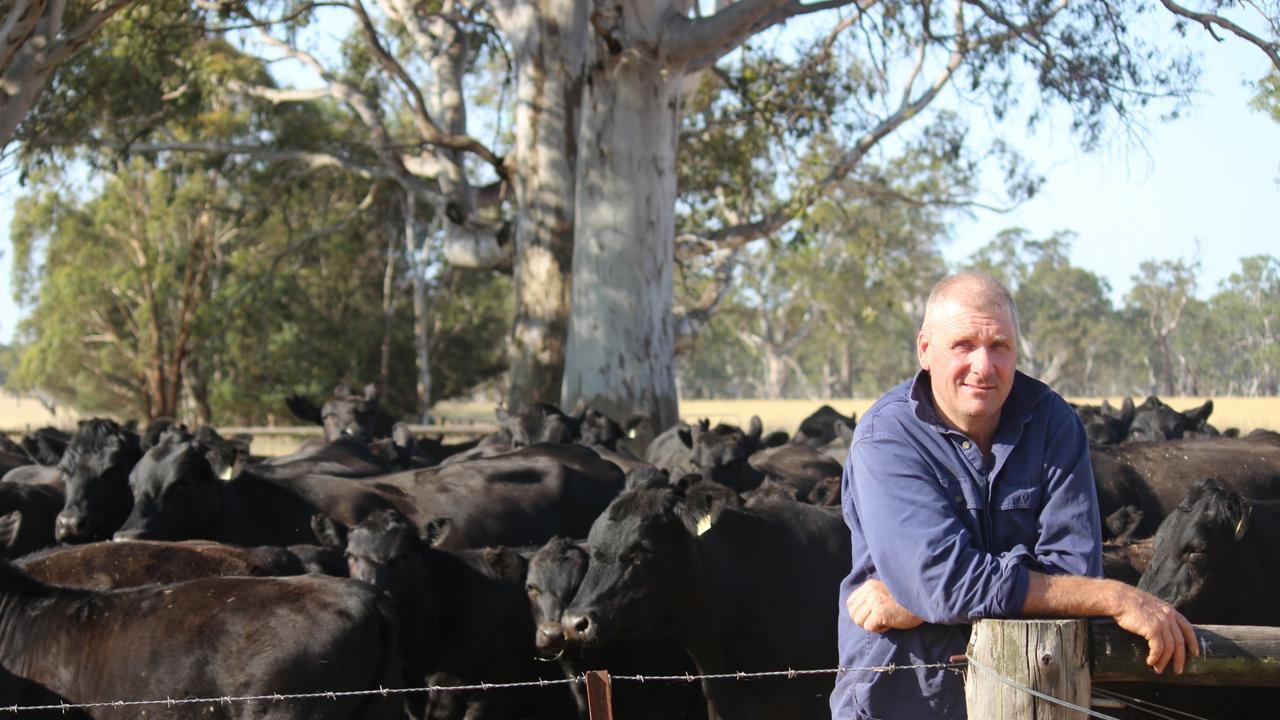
(952, 535)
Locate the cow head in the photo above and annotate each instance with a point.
(1202, 557)
(96, 468)
(382, 546)
(721, 455)
(596, 428)
(1154, 420)
(646, 570)
(539, 423)
(176, 495)
(346, 413)
(555, 573)
(819, 428)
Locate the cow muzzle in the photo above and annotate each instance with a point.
(73, 528)
(550, 639)
(580, 627)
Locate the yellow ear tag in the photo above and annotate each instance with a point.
(226, 474)
(631, 433)
(704, 524)
(1238, 525)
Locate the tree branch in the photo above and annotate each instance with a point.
(1208, 20)
(695, 43)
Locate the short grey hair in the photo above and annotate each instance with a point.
(991, 294)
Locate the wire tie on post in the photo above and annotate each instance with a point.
(739, 676)
(791, 674)
(687, 677)
(382, 690)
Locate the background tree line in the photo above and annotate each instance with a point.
(228, 202)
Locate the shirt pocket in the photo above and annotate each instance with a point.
(1016, 515)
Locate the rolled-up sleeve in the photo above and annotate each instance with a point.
(919, 546)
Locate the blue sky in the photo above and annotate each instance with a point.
(1212, 177)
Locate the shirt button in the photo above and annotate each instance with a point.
(965, 445)
(959, 499)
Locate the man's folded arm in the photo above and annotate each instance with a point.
(922, 551)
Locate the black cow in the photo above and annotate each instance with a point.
(723, 455)
(1154, 477)
(463, 612)
(742, 590)
(798, 465)
(95, 468)
(1215, 555)
(345, 456)
(210, 638)
(46, 445)
(111, 565)
(521, 498)
(177, 497)
(1154, 420)
(27, 513)
(1105, 425)
(539, 423)
(820, 427)
(672, 449)
(345, 413)
(555, 572)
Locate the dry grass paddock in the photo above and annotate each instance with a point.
(19, 415)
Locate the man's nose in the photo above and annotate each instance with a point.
(980, 361)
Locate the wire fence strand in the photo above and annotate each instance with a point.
(480, 687)
(1036, 693)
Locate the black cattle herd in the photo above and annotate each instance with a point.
(176, 566)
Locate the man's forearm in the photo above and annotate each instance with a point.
(1071, 596)
(1169, 635)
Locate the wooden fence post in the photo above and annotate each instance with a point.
(599, 695)
(1048, 656)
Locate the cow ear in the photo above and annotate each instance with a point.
(1246, 517)
(685, 482)
(436, 531)
(755, 428)
(10, 526)
(1127, 411)
(371, 392)
(1200, 415)
(700, 508)
(331, 533)
(579, 410)
(686, 436)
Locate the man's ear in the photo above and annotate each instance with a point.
(700, 508)
(922, 350)
(331, 533)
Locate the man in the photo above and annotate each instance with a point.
(969, 495)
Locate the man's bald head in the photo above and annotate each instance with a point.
(973, 290)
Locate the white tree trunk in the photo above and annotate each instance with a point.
(548, 41)
(620, 357)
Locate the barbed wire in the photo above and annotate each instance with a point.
(482, 687)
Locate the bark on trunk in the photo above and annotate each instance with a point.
(548, 39)
(620, 356)
(418, 257)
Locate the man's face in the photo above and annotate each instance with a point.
(970, 355)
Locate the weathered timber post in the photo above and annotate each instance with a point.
(599, 695)
(1238, 655)
(1048, 656)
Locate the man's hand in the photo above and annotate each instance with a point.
(1169, 635)
(874, 609)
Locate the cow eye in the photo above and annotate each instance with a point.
(532, 590)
